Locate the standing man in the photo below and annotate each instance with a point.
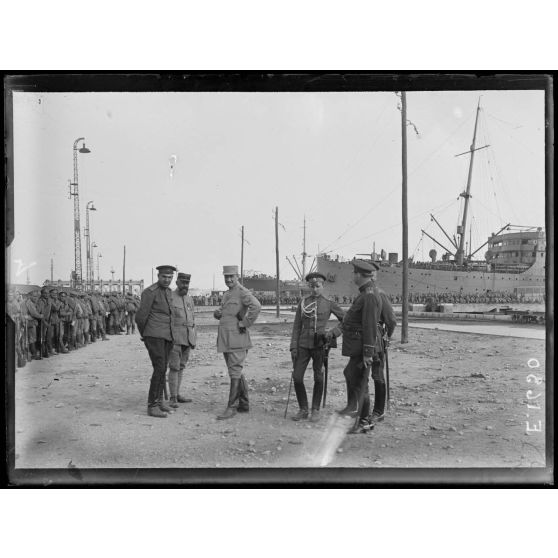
(33, 317)
(154, 325)
(184, 336)
(131, 309)
(309, 340)
(386, 327)
(361, 340)
(44, 307)
(54, 330)
(238, 311)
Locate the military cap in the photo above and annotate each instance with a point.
(185, 276)
(366, 268)
(166, 269)
(230, 270)
(315, 277)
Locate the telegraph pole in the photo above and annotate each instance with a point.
(124, 272)
(277, 288)
(405, 307)
(242, 258)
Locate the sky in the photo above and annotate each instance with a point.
(174, 176)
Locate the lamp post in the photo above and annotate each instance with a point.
(98, 274)
(77, 227)
(88, 207)
(93, 245)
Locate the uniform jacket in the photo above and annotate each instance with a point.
(94, 306)
(131, 305)
(238, 302)
(44, 306)
(182, 320)
(154, 315)
(305, 325)
(32, 314)
(387, 317)
(360, 325)
(65, 311)
(54, 312)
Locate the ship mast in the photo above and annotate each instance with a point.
(467, 194)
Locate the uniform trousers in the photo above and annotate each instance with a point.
(235, 362)
(302, 359)
(159, 350)
(358, 395)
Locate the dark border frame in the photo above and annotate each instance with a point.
(281, 82)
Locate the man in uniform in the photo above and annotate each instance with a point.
(308, 341)
(44, 307)
(65, 312)
(101, 316)
(238, 311)
(54, 329)
(154, 325)
(386, 327)
(361, 339)
(14, 312)
(33, 316)
(131, 309)
(184, 337)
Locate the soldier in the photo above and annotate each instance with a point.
(309, 340)
(114, 318)
(54, 329)
(131, 309)
(361, 341)
(238, 311)
(154, 325)
(93, 317)
(101, 316)
(386, 327)
(73, 323)
(14, 312)
(33, 317)
(87, 313)
(66, 313)
(184, 337)
(44, 307)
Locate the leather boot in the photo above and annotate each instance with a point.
(243, 403)
(173, 382)
(179, 397)
(234, 393)
(127, 330)
(317, 393)
(301, 415)
(156, 412)
(379, 401)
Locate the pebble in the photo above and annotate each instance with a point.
(339, 450)
(452, 429)
(58, 405)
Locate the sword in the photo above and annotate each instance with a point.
(387, 370)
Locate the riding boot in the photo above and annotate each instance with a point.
(379, 399)
(179, 397)
(234, 394)
(162, 405)
(127, 330)
(302, 400)
(352, 402)
(243, 403)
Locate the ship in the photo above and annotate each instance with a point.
(513, 264)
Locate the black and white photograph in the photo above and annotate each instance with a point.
(284, 278)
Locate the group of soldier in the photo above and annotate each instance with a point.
(51, 321)
(165, 322)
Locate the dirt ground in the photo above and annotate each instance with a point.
(457, 400)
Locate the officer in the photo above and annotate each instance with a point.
(153, 319)
(184, 336)
(308, 341)
(238, 311)
(361, 341)
(386, 327)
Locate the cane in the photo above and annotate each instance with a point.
(289, 396)
(387, 372)
(326, 368)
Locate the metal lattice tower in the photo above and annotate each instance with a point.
(77, 229)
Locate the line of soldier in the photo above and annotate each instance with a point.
(166, 324)
(51, 321)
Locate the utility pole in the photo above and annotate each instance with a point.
(242, 259)
(304, 254)
(124, 272)
(405, 307)
(277, 288)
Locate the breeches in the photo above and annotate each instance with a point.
(178, 357)
(235, 362)
(158, 350)
(303, 358)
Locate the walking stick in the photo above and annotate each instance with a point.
(326, 367)
(387, 375)
(289, 396)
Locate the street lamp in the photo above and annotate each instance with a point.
(98, 274)
(93, 245)
(89, 207)
(77, 226)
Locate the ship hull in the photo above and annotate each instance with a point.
(425, 280)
